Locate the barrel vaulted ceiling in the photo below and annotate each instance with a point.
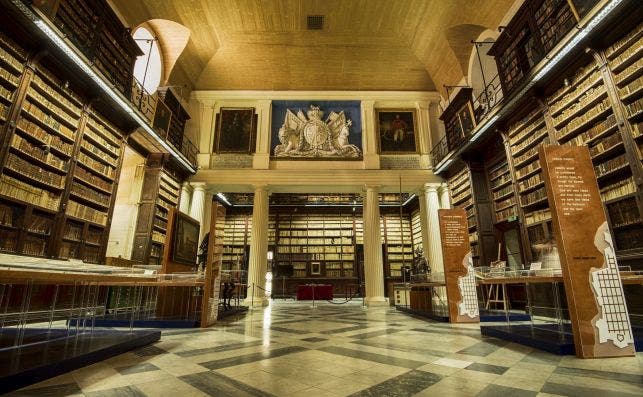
(364, 45)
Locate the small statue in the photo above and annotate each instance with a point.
(420, 264)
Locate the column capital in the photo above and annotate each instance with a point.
(431, 187)
(198, 186)
(422, 104)
(372, 188)
(186, 186)
(262, 188)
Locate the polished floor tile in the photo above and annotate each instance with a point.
(291, 349)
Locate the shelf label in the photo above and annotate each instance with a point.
(595, 298)
(458, 266)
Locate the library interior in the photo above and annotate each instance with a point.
(321, 198)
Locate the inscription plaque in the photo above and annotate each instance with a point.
(458, 266)
(597, 308)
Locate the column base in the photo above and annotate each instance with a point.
(256, 302)
(376, 301)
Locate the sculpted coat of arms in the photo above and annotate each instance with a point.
(302, 136)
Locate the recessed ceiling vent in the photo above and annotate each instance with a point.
(315, 22)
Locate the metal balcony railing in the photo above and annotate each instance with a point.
(490, 98)
(146, 103)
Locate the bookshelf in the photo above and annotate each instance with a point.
(160, 193)
(462, 197)
(619, 155)
(58, 176)
(94, 28)
(303, 239)
(416, 230)
(398, 242)
(236, 241)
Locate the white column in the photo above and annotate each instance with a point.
(424, 222)
(433, 223)
(369, 136)
(445, 199)
(186, 196)
(261, 158)
(258, 248)
(205, 115)
(198, 205)
(373, 265)
(424, 133)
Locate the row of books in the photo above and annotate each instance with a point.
(34, 246)
(525, 124)
(554, 19)
(537, 216)
(635, 108)
(82, 211)
(90, 194)
(594, 131)
(39, 224)
(618, 189)
(8, 240)
(47, 139)
(630, 238)
(54, 82)
(529, 154)
(98, 152)
(628, 72)
(582, 101)
(96, 166)
(9, 59)
(528, 169)
(530, 182)
(106, 146)
(6, 93)
(535, 136)
(624, 213)
(41, 85)
(501, 205)
(52, 108)
(35, 173)
(98, 124)
(47, 119)
(632, 87)
(610, 165)
(158, 237)
(580, 75)
(39, 153)
(503, 192)
(7, 217)
(625, 42)
(502, 170)
(506, 213)
(12, 187)
(584, 88)
(92, 180)
(73, 231)
(533, 197)
(606, 144)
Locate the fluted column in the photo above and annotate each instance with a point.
(197, 206)
(373, 266)
(258, 248)
(445, 199)
(186, 197)
(432, 206)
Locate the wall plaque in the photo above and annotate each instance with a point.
(458, 266)
(597, 308)
(232, 161)
(399, 162)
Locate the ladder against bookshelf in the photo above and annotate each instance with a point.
(160, 193)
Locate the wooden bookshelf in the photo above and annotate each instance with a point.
(160, 193)
(59, 165)
(398, 241)
(93, 27)
(236, 241)
(462, 197)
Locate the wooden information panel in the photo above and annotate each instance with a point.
(458, 266)
(597, 308)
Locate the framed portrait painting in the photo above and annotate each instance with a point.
(397, 131)
(186, 239)
(235, 130)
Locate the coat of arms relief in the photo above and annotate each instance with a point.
(311, 137)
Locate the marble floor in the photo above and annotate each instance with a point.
(293, 349)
